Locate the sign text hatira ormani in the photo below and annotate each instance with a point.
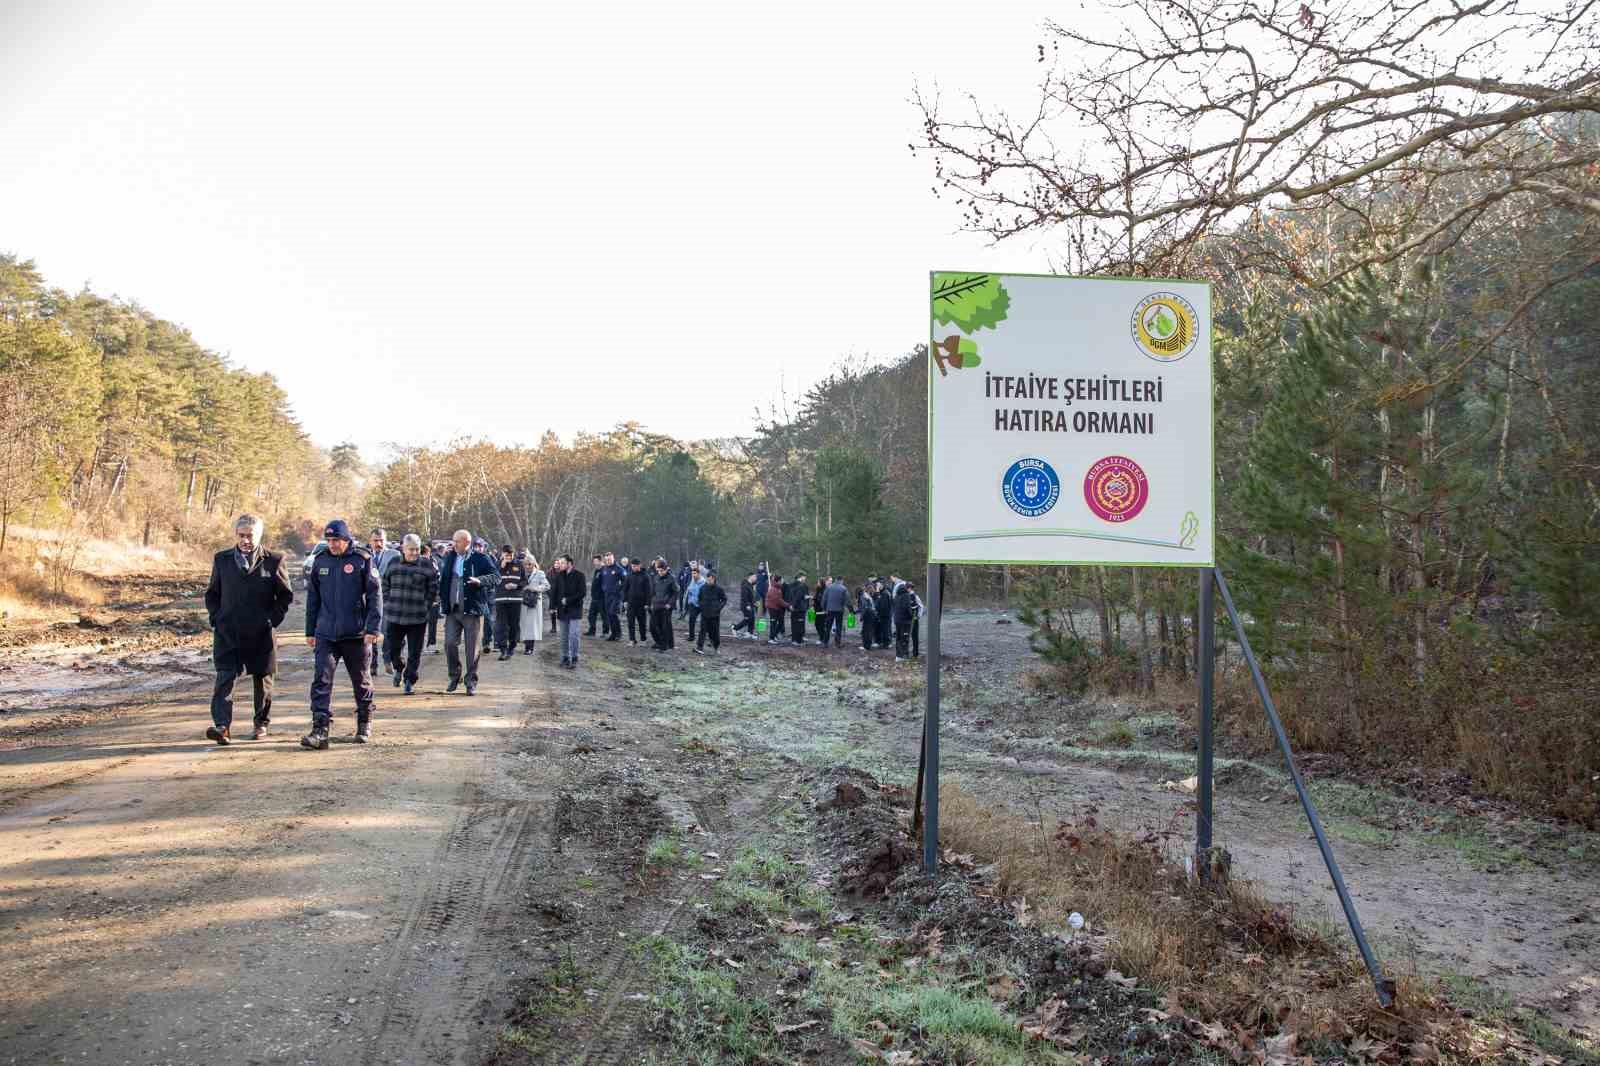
(1066, 390)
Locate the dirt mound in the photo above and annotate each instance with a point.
(863, 831)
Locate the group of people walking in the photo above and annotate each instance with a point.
(378, 606)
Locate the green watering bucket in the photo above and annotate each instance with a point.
(811, 616)
(850, 621)
(761, 625)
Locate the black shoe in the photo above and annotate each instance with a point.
(317, 739)
(219, 733)
(453, 685)
(564, 660)
(261, 731)
(699, 651)
(528, 650)
(364, 733)
(410, 688)
(397, 679)
(472, 690)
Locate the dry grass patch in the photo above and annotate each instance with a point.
(1222, 955)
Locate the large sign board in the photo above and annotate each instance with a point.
(1070, 421)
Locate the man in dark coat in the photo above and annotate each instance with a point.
(713, 598)
(467, 580)
(746, 625)
(246, 600)
(663, 600)
(636, 590)
(344, 614)
(799, 600)
(885, 603)
(905, 615)
(597, 596)
(567, 589)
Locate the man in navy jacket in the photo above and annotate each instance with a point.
(467, 579)
(344, 615)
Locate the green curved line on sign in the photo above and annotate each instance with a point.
(1084, 533)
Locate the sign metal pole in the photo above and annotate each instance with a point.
(1205, 667)
(930, 724)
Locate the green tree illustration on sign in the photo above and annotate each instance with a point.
(969, 302)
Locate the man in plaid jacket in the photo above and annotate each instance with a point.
(410, 587)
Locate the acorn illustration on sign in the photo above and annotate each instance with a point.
(969, 302)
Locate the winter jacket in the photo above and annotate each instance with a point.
(513, 579)
(636, 588)
(663, 591)
(799, 596)
(865, 604)
(566, 594)
(836, 597)
(611, 582)
(692, 596)
(775, 600)
(905, 607)
(409, 590)
(762, 580)
(245, 605)
(713, 598)
(885, 603)
(683, 576)
(343, 600)
(747, 597)
(474, 599)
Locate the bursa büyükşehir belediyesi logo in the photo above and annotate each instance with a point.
(1030, 487)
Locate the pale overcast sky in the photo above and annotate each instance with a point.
(429, 221)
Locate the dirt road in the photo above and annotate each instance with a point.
(167, 901)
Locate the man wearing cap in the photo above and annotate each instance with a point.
(245, 601)
(344, 615)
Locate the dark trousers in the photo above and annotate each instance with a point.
(869, 630)
(775, 623)
(916, 638)
(797, 626)
(507, 625)
(637, 613)
(222, 698)
(694, 618)
(661, 626)
(433, 628)
(902, 641)
(614, 617)
(882, 638)
(329, 654)
(747, 621)
(597, 608)
(406, 638)
(710, 626)
(833, 628)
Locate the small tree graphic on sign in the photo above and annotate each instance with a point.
(969, 302)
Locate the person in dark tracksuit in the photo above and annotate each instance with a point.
(663, 601)
(747, 608)
(246, 599)
(508, 603)
(885, 603)
(867, 610)
(636, 592)
(612, 577)
(712, 599)
(410, 591)
(344, 615)
(799, 600)
(905, 613)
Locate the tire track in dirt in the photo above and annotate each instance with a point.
(617, 1024)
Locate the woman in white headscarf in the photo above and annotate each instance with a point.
(535, 595)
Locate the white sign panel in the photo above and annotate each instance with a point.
(1069, 421)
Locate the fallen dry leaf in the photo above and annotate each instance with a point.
(1120, 981)
(796, 1027)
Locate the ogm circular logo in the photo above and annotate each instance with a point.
(349, 568)
(1030, 487)
(1165, 326)
(1115, 488)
